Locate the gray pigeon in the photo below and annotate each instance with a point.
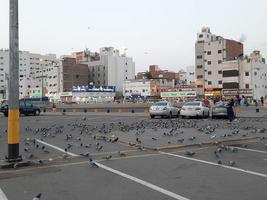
(37, 197)
(92, 163)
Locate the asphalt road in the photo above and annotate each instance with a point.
(156, 167)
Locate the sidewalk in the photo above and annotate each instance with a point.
(250, 111)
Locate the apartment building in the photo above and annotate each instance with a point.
(38, 74)
(210, 52)
(246, 76)
(108, 67)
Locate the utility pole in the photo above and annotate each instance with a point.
(13, 86)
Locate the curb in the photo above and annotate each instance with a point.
(243, 139)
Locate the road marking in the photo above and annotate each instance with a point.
(147, 184)
(253, 150)
(57, 148)
(218, 165)
(2, 195)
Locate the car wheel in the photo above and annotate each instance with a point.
(213, 117)
(37, 113)
(182, 116)
(170, 115)
(203, 115)
(152, 116)
(6, 114)
(208, 115)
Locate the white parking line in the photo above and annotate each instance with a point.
(57, 148)
(2, 195)
(253, 150)
(218, 165)
(147, 184)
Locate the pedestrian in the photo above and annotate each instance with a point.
(262, 100)
(230, 110)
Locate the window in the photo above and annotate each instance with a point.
(246, 73)
(200, 35)
(209, 52)
(230, 73)
(209, 72)
(144, 90)
(209, 62)
(200, 86)
(231, 85)
(220, 72)
(255, 73)
(219, 62)
(199, 57)
(219, 82)
(199, 76)
(77, 76)
(199, 66)
(247, 86)
(219, 51)
(209, 82)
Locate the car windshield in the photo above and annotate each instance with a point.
(4, 103)
(160, 104)
(192, 104)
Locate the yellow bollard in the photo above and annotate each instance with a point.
(96, 109)
(146, 110)
(74, 110)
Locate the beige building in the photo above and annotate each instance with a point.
(246, 76)
(210, 52)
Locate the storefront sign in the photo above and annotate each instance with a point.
(178, 94)
(93, 88)
(230, 92)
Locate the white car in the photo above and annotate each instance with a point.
(163, 108)
(195, 109)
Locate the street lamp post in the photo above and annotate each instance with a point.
(13, 85)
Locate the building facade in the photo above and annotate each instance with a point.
(72, 74)
(246, 76)
(38, 74)
(210, 52)
(108, 67)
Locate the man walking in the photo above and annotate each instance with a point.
(230, 110)
(262, 100)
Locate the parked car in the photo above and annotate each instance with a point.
(163, 109)
(195, 109)
(220, 111)
(25, 108)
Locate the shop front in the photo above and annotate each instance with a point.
(179, 94)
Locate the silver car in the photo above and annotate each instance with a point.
(164, 109)
(195, 109)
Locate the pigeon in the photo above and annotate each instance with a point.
(99, 148)
(87, 154)
(115, 140)
(154, 138)
(219, 162)
(121, 154)
(189, 153)
(108, 157)
(192, 138)
(232, 163)
(181, 140)
(27, 150)
(92, 163)
(46, 151)
(265, 146)
(37, 197)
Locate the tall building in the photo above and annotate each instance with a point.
(210, 52)
(108, 67)
(38, 74)
(246, 76)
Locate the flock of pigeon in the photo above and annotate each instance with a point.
(87, 137)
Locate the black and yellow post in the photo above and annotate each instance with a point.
(13, 85)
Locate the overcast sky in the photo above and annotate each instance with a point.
(164, 29)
